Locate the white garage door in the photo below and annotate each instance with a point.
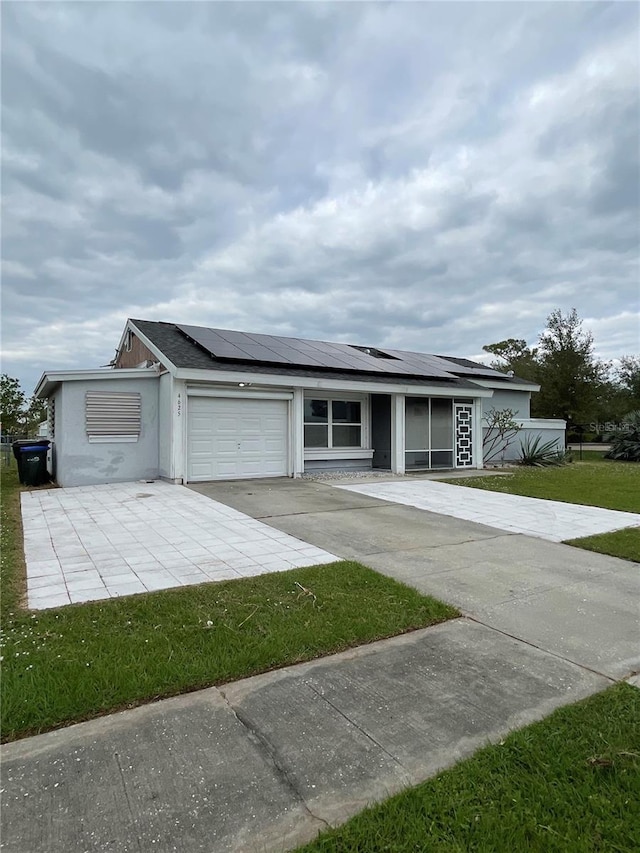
(231, 438)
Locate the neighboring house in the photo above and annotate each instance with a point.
(187, 404)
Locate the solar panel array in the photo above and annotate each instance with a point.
(465, 367)
(296, 352)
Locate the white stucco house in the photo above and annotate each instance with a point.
(189, 403)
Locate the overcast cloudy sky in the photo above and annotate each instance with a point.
(431, 176)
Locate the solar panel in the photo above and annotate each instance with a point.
(466, 367)
(270, 349)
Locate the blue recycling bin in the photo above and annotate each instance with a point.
(32, 462)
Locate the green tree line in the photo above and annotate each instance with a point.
(574, 384)
(18, 414)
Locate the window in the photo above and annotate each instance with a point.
(112, 416)
(332, 423)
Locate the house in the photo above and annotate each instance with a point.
(188, 403)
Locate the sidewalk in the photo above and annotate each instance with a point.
(266, 763)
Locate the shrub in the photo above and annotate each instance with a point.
(501, 431)
(625, 444)
(542, 455)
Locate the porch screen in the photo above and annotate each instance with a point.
(428, 432)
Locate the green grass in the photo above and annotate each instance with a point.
(593, 482)
(12, 575)
(589, 456)
(621, 543)
(568, 783)
(80, 661)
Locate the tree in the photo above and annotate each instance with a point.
(573, 384)
(571, 379)
(501, 430)
(12, 402)
(627, 378)
(514, 355)
(35, 414)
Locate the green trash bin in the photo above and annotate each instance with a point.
(33, 464)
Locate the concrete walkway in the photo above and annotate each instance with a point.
(552, 520)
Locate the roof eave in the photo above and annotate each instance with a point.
(50, 379)
(509, 384)
(340, 382)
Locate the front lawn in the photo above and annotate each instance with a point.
(567, 783)
(12, 574)
(621, 543)
(76, 662)
(594, 482)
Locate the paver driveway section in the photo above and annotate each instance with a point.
(552, 520)
(95, 542)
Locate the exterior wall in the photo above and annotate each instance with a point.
(138, 353)
(518, 401)
(383, 428)
(318, 465)
(165, 427)
(82, 463)
(548, 430)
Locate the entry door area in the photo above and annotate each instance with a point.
(237, 438)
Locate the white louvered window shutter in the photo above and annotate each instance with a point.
(112, 416)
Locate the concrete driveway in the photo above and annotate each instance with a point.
(576, 604)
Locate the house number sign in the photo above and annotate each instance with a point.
(179, 404)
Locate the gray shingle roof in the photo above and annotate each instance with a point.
(186, 354)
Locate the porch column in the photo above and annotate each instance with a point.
(297, 432)
(397, 434)
(477, 433)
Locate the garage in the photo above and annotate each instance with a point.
(234, 437)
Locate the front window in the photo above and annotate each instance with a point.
(332, 423)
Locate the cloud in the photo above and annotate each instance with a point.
(428, 176)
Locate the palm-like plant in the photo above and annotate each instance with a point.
(625, 443)
(542, 455)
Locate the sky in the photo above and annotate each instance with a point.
(426, 176)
